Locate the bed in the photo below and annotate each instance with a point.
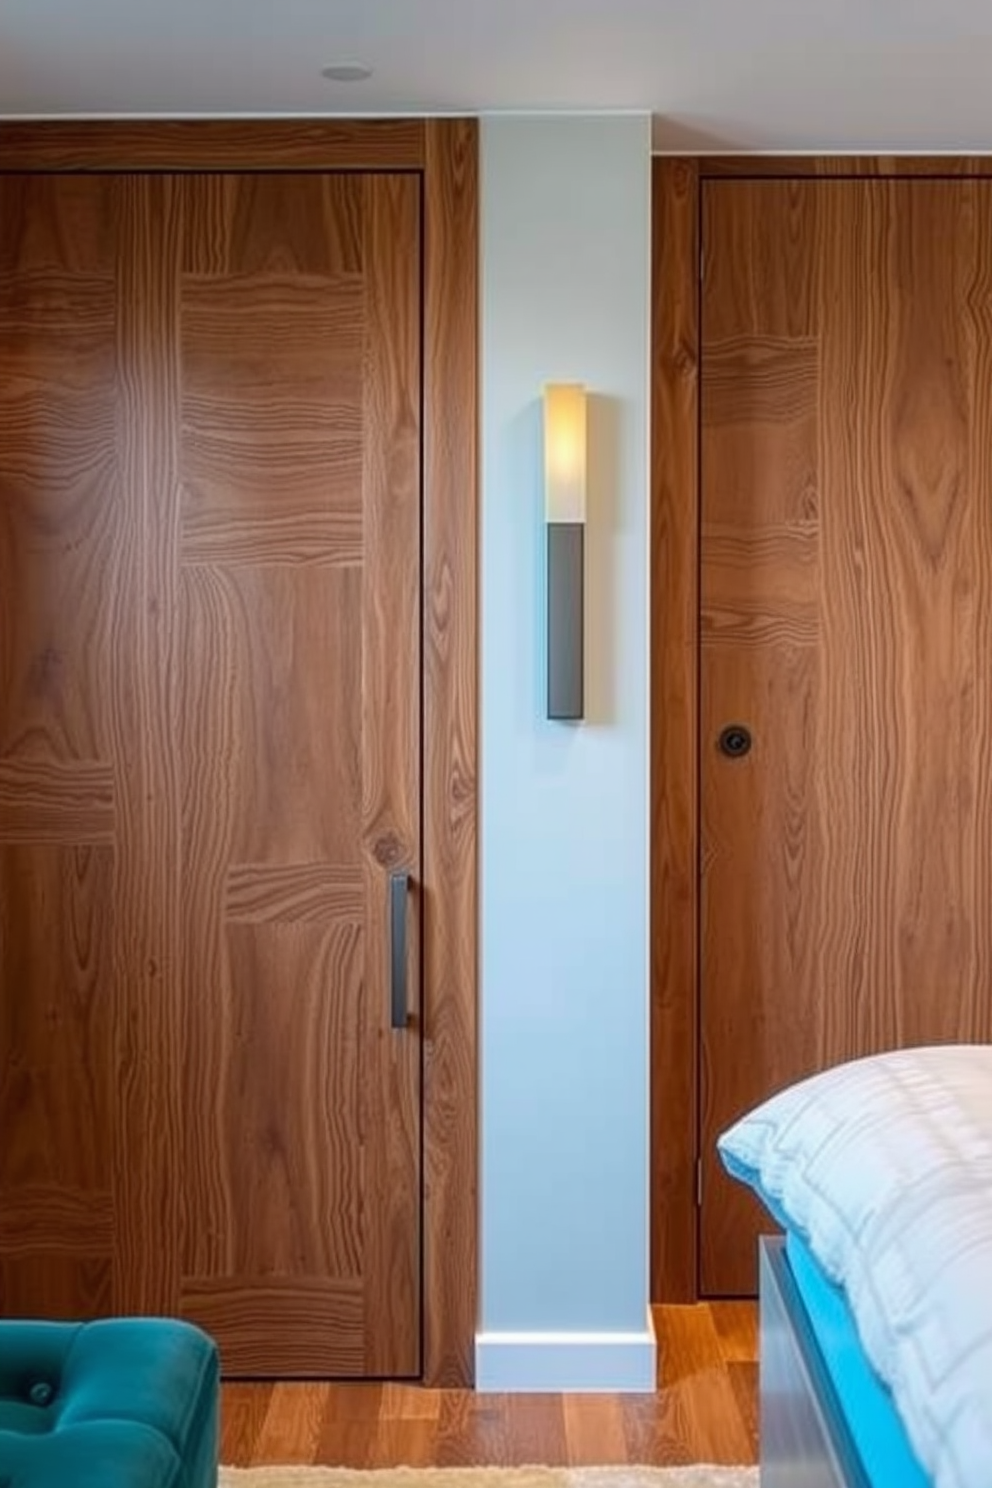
(876, 1303)
(827, 1421)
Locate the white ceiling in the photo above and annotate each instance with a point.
(873, 75)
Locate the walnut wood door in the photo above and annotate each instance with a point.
(846, 622)
(210, 757)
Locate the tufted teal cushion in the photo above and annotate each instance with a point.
(122, 1403)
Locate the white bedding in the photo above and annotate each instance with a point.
(885, 1168)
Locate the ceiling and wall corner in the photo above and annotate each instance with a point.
(715, 74)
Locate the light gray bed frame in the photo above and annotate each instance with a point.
(805, 1440)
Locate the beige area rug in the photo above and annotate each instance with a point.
(491, 1477)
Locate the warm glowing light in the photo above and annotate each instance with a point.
(565, 452)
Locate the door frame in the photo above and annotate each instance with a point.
(445, 154)
(676, 251)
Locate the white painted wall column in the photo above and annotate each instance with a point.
(564, 1178)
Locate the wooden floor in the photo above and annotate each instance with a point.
(705, 1411)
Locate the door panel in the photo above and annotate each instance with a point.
(846, 618)
(56, 1165)
(272, 429)
(210, 757)
(87, 909)
(299, 705)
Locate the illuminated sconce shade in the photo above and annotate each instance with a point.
(565, 515)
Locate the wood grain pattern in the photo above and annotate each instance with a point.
(315, 893)
(705, 1410)
(407, 1425)
(129, 562)
(772, 265)
(244, 1407)
(66, 513)
(53, 1218)
(281, 229)
(214, 145)
(141, 693)
(56, 1100)
(472, 1430)
(286, 1193)
(844, 874)
(594, 1429)
(60, 491)
(391, 761)
(271, 418)
(59, 233)
(56, 1027)
(764, 379)
(907, 601)
(674, 623)
(274, 1325)
(290, 1430)
(272, 373)
(301, 764)
(50, 1284)
(700, 1396)
(759, 629)
(450, 747)
(56, 802)
(538, 1426)
(735, 1323)
(761, 587)
(272, 701)
(797, 167)
(759, 299)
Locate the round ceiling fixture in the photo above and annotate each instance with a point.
(346, 72)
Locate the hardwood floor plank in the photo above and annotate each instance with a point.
(736, 1324)
(705, 1410)
(696, 1385)
(709, 1422)
(243, 1411)
(744, 1383)
(594, 1430)
(410, 1442)
(473, 1430)
(347, 1444)
(537, 1430)
(353, 1403)
(409, 1403)
(654, 1431)
(293, 1424)
(688, 1344)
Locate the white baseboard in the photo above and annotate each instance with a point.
(566, 1361)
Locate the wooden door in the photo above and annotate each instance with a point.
(210, 757)
(846, 621)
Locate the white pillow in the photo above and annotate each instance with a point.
(884, 1166)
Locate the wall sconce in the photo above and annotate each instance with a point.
(565, 518)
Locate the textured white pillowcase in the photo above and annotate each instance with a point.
(884, 1166)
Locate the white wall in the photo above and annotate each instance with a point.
(564, 1196)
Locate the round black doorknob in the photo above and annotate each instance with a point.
(735, 741)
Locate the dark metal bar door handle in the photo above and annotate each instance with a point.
(399, 890)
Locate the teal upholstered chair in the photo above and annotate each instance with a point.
(124, 1403)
